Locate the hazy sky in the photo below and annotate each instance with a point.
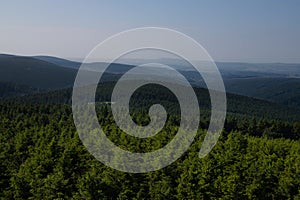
(240, 30)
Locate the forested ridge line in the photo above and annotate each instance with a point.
(240, 106)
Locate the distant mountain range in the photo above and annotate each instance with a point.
(276, 82)
(59, 61)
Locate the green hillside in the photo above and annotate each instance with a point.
(237, 105)
(42, 157)
(34, 72)
(285, 91)
(8, 89)
(274, 82)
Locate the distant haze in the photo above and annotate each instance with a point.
(248, 31)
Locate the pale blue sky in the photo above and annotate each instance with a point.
(231, 30)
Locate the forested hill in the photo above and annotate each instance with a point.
(48, 73)
(9, 89)
(35, 73)
(238, 106)
(273, 82)
(42, 157)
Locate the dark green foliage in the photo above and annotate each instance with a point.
(238, 106)
(282, 90)
(8, 89)
(42, 157)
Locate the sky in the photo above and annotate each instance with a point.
(230, 30)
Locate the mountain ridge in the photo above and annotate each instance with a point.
(268, 81)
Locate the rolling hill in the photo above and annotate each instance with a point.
(237, 105)
(275, 82)
(59, 61)
(34, 72)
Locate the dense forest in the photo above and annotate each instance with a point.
(42, 157)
